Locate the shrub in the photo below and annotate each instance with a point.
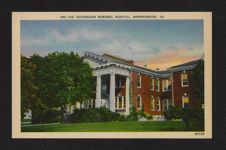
(41, 115)
(173, 113)
(187, 114)
(141, 113)
(107, 115)
(149, 117)
(133, 114)
(85, 115)
(102, 114)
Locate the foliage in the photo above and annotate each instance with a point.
(53, 81)
(85, 115)
(133, 114)
(187, 114)
(42, 115)
(101, 114)
(149, 117)
(141, 113)
(173, 113)
(197, 79)
(29, 97)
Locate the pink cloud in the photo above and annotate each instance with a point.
(169, 58)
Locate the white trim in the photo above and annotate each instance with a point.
(153, 84)
(158, 85)
(158, 100)
(140, 102)
(167, 104)
(182, 83)
(152, 102)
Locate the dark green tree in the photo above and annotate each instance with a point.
(29, 98)
(197, 79)
(63, 78)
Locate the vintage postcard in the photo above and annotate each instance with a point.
(112, 75)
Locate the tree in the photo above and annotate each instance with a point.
(197, 79)
(63, 78)
(29, 97)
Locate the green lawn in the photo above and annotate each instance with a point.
(126, 126)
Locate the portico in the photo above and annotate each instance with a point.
(116, 98)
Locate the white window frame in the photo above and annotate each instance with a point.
(117, 102)
(153, 84)
(167, 104)
(139, 80)
(152, 102)
(158, 100)
(182, 83)
(140, 102)
(158, 85)
(166, 85)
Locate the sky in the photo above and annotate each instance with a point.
(155, 43)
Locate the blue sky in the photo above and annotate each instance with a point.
(150, 42)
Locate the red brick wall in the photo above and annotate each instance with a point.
(146, 93)
(178, 90)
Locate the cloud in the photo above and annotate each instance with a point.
(79, 34)
(169, 58)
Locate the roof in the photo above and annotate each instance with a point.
(190, 63)
(114, 60)
(117, 57)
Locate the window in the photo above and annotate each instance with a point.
(184, 80)
(165, 104)
(152, 84)
(157, 85)
(152, 104)
(185, 101)
(158, 104)
(119, 81)
(120, 102)
(166, 85)
(139, 104)
(138, 80)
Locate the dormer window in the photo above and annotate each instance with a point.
(138, 81)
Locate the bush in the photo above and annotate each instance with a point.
(187, 114)
(41, 115)
(173, 113)
(107, 115)
(85, 115)
(102, 114)
(141, 113)
(133, 114)
(149, 117)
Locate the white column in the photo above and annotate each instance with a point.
(112, 92)
(98, 92)
(127, 96)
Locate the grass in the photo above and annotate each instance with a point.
(116, 126)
